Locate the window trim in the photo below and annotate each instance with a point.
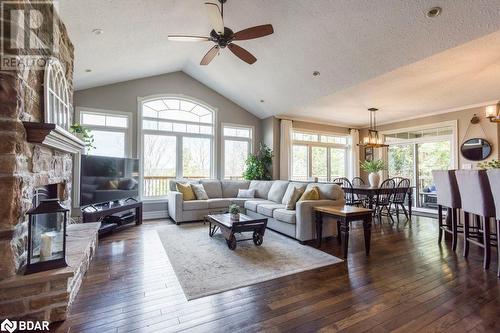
(128, 130)
(140, 137)
(250, 140)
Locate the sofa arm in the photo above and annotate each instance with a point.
(175, 201)
(306, 226)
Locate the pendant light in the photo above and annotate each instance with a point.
(372, 140)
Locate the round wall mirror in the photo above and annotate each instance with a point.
(476, 149)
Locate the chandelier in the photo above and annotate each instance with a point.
(372, 140)
(493, 113)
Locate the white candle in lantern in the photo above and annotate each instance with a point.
(46, 245)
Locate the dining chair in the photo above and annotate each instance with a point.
(494, 178)
(384, 198)
(477, 199)
(448, 196)
(357, 181)
(349, 197)
(399, 197)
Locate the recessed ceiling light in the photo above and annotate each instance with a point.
(262, 101)
(88, 70)
(316, 73)
(435, 11)
(97, 31)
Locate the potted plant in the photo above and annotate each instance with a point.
(373, 168)
(234, 211)
(258, 166)
(85, 134)
(493, 164)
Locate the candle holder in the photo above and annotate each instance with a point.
(46, 236)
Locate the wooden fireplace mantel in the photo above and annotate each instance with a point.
(54, 136)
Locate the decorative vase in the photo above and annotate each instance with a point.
(374, 179)
(235, 217)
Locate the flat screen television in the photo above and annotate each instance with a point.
(105, 179)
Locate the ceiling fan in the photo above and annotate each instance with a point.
(223, 36)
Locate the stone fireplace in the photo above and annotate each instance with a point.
(29, 162)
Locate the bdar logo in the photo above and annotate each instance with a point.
(8, 326)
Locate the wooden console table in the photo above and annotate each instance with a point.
(344, 216)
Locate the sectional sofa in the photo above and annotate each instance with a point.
(269, 202)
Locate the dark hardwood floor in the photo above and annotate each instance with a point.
(408, 284)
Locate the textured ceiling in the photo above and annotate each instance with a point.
(369, 53)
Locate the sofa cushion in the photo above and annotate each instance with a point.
(199, 192)
(328, 191)
(267, 209)
(172, 185)
(230, 187)
(296, 195)
(310, 194)
(219, 203)
(187, 191)
(195, 205)
(277, 190)
(289, 191)
(252, 204)
(261, 187)
(212, 187)
(284, 215)
(250, 193)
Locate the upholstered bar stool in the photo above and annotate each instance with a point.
(477, 199)
(448, 196)
(494, 177)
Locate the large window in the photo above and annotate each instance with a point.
(177, 142)
(111, 131)
(236, 145)
(322, 156)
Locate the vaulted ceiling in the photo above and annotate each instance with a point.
(381, 53)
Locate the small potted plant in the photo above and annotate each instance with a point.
(85, 134)
(373, 168)
(234, 212)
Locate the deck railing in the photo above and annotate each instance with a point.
(158, 186)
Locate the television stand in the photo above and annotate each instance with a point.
(97, 213)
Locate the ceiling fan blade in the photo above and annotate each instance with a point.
(186, 38)
(210, 55)
(215, 17)
(254, 32)
(242, 53)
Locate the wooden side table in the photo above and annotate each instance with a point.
(345, 215)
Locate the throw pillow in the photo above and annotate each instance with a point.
(296, 194)
(127, 184)
(110, 185)
(246, 193)
(199, 192)
(187, 191)
(312, 194)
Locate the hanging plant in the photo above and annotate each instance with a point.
(258, 166)
(85, 134)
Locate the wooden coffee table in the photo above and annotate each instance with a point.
(228, 228)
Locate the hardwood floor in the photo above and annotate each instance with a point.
(408, 284)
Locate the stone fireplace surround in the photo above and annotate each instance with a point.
(25, 166)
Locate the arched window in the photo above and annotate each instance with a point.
(57, 96)
(177, 142)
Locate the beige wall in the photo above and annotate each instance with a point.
(320, 127)
(270, 128)
(123, 97)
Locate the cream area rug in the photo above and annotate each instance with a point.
(206, 266)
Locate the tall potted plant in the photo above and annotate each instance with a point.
(258, 166)
(373, 168)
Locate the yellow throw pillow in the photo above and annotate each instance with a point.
(312, 194)
(187, 191)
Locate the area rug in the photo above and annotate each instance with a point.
(206, 266)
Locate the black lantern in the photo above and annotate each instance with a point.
(46, 236)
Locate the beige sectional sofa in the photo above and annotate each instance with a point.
(270, 202)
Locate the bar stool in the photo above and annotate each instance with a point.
(476, 197)
(448, 196)
(494, 177)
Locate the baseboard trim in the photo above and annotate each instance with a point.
(160, 214)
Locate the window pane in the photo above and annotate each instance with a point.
(108, 144)
(93, 119)
(149, 125)
(237, 132)
(401, 161)
(117, 121)
(337, 163)
(299, 136)
(206, 130)
(147, 112)
(156, 105)
(179, 127)
(159, 164)
(179, 115)
(193, 129)
(164, 126)
(229, 131)
(319, 164)
(235, 155)
(299, 163)
(196, 157)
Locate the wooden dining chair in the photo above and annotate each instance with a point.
(494, 179)
(399, 197)
(383, 199)
(350, 198)
(448, 196)
(477, 199)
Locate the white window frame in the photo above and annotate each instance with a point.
(250, 140)
(102, 112)
(309, 144)
(141, 132)
(56, 89)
